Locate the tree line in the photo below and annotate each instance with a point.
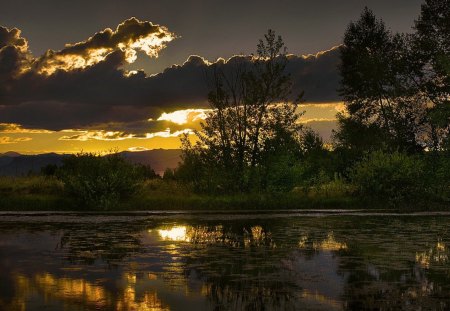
(392, 140)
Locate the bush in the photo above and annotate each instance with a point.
(395, 178)
(100, 182)
(282, 175)
(437, 175)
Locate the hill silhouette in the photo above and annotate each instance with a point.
(16, 164)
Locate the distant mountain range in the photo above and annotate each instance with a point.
(16, 164)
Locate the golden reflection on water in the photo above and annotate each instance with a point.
(191, 234)
(437, 254)
(318, 298)
(174, 234)
(81, 292)
(149, 302)
(328, 244)
(71, 289)
(255, 236)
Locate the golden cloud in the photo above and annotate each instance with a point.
(337, 106)
(306, 121)
(130, 36)
(14, 128)
(4, 140)
(88, 135)
(181, 117)
(96, 135)
(137, 149)
(167, 133)
(318, 54)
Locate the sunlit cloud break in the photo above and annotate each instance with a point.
(14, 128)
(130, 36)
(80, 135)
(5, 140)
(184, 116)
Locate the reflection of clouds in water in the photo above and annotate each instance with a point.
(319, 263)
(174, 234)
(73, 293)
(148, 302)
(316, 278)
(255, 236)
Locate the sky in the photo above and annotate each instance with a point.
(96, 75)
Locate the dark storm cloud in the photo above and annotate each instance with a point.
(14, 57)
(12, 37)
(103, 92)
(208, 28)
(317, 75)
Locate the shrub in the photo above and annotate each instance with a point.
(100, 182)
(391, 177)
(437, 175)
(282, 175)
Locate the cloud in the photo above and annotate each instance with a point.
(313, 120)
(13, 128)
(15, 58)
(186, 116)
(137, 149)
(117, 135)
(85, 86)
(130, 36)
(11, 37)
(4, 140)
(96, 135)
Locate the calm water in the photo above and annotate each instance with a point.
(224, 262)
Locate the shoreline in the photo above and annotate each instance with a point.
(234, 212)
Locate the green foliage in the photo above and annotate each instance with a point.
(100, 182)
(281, 174)
(169, 174)
(394, 178)
(437, 175)
(30, 185)
(322, 187)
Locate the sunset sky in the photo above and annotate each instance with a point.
(97, 75)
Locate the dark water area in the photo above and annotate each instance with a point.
(221, 261)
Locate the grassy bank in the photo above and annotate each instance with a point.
(40, 193)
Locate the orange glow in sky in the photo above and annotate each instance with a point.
(13, 137)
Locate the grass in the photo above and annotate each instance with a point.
(33, 193)
(40, 193)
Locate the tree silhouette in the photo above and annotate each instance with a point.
(377, 86)
(250, 107)
(431, 54)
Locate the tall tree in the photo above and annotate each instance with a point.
(431, 56)
(376, 86)
(249, 108)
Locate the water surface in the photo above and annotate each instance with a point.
(222, 261)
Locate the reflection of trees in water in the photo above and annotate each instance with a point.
(423, 283)
(239, 267)
(242, 267)
(254, 265)
(85, 242)
(112, 242)
(251, 295)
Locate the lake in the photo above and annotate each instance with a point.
(329, 260)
